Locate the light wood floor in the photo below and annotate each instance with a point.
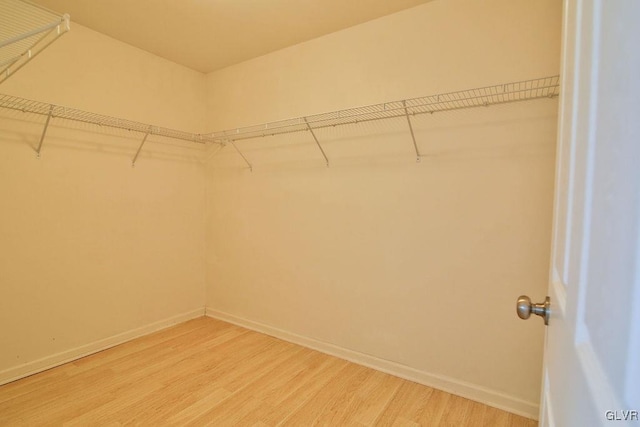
(208, 372)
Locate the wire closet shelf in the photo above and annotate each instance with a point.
(26, 29)
(52, 111)
(60, 112)
(546, 87)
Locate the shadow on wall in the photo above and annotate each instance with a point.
(27, 129)
(474, 133)
(497, 131)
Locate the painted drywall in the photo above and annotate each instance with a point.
(90, 71)
(414, 263)
(92, 248)
(417, 264)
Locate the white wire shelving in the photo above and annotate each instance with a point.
(53, 112)
(26, 29)
(546, 87)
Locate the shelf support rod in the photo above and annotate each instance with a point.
(413, 136)
(326, 159)
(135, 158)
(242, 155)
(31, 33)
(44, 131)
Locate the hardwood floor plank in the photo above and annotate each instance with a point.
(455, 411)
(518, 421)
(129, 349)
(406, 405)
(249, 394)
(267, 384)
(495, 417)
(433, 412)
(199, 407)
(208, 372)
(315, 406)
(301, 388)
(374, 397)
(341, 406)
(475, 414)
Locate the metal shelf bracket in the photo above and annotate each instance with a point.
(545, 87)
(135, 158)
(30, 29)
(315, 138)
(65, 113)
(44, 131)
(242, 155)
(413, 136)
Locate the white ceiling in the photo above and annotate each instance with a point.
(207, 35)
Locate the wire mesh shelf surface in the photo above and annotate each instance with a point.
(477, 97)
(26, 29)
(60, 112)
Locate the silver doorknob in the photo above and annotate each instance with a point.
(525, 308)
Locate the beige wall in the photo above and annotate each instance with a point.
(90, 71)
(92, 250)
(418, 264)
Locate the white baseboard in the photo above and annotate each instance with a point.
(467, 390)
(30, 368)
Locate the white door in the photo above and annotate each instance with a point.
(591, 374)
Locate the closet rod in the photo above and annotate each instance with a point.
(545, 87)
(59, 112)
